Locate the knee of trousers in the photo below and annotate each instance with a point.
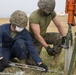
(20, 48)
(19, 43)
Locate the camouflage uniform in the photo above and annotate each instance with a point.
(44, 21)
(51, 39)
(37, 18)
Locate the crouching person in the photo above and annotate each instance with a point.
(15, 41)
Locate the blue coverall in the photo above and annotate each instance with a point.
(18, 46)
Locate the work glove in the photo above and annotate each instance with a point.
(50, 51)
(63, 40)
(64, 43)
(44, 66)
(3, 64)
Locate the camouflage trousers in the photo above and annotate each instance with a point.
(51, 39)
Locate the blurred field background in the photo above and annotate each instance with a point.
(48, 60)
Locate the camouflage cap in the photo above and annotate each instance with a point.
(47, 5)
(19, 18)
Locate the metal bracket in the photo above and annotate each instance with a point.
(27, 66)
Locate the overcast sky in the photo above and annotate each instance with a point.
(8, 6)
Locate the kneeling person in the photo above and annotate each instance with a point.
(15, 41)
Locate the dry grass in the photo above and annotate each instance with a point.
(59, 66)
(4, 20)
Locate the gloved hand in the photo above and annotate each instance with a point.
(3, 64)
(50, 51)
(63, 43)
(63, 40)
(44, 66)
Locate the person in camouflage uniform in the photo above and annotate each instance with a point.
(39, 21)
(16, 42)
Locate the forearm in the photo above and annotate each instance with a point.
(62, 31)
(59, 26)
(41, 40)
(32, 50)
(34, 54)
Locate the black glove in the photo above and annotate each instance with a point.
(3, 64)
(63, 40)
(44, 66)
(50, 51)
(63, 43)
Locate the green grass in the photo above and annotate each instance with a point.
(52, 65)
(48, 60)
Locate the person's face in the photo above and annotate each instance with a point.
(45, 13)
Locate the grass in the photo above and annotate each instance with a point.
(52, 65)
(48, 60)
(56, 66)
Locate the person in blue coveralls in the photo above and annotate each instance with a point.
(15, 41)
